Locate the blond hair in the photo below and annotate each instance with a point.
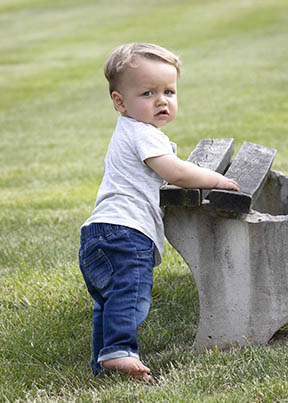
(124, 55)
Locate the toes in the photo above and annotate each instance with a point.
(143, 377)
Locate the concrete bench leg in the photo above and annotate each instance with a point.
(240, 265)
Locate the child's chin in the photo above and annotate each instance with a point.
(162, 121)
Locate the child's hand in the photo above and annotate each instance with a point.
(227, 183)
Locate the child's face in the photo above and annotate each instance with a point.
(148, 92)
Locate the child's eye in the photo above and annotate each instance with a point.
(147, 93)
(169, 92)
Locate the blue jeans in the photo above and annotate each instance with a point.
(117, 265)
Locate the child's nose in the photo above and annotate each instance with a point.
(161, 100)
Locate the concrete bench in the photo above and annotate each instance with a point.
(235, 244)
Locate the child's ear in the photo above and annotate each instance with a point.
(118, 101)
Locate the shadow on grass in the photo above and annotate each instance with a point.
(280, 338)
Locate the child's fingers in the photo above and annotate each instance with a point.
(234, 184)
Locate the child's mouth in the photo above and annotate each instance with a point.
(162, 113)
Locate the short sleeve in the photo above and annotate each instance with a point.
(150, 142)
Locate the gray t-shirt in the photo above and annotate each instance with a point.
(129, 193)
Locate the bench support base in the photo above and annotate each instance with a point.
(240, 265)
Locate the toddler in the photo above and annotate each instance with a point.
(123, 239)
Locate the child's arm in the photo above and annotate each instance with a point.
(188, 175)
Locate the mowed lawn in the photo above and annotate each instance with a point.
(56, 120)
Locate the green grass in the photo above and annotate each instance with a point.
(56, 119)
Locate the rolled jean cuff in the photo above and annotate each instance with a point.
(117, 354)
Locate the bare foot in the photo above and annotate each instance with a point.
(129, 365)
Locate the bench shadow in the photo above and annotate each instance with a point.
(280, 338)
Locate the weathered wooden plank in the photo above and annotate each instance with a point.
(176, 196)
(250, 169)
(215, 154)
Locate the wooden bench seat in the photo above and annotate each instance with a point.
(250, 169)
